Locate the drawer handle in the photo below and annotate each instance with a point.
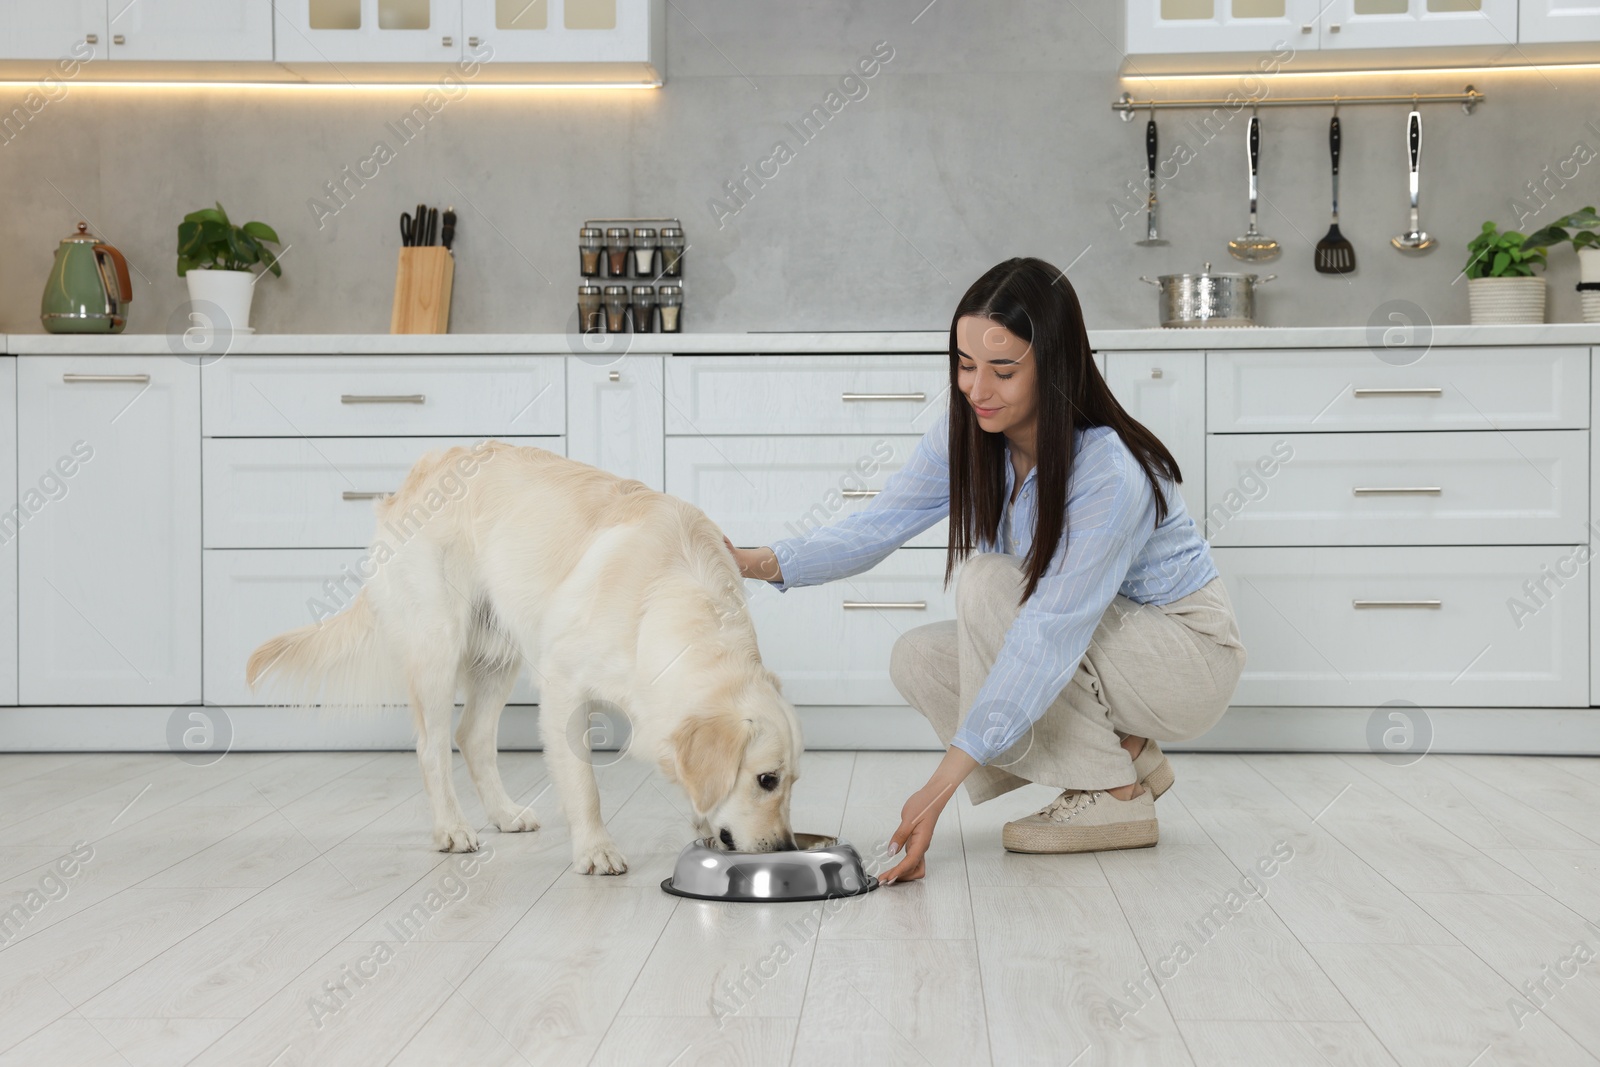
(405, 398)
(883, 396)
(1388, 490)
(132, 379)
(858, 494)
(1416, 390)
(873, 605)
(354, 494)
(1395, 603)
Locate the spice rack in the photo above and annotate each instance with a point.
(653, 301)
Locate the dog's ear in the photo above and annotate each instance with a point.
(707, 751)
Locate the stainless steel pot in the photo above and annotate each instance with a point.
(1208, 299)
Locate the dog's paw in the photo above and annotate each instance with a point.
(460, 838)
(513, 821)
(601, 858)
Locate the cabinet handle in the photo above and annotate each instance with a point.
(859, 494)
(91, 38)
(117, 38)
(1305, 27)
(353, 494)
(1333, 27)
(884, 396)
(615, 376)
(132, 379)
(409, 398)
(1155, 372)
(1384, 490)
(474, 41)
(447, 42)
(1395, 603)
(1418, 390)
(873, 605)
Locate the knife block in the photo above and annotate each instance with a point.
(422, 285)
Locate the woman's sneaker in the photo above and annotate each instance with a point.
(1085, 821)
(1154, 772)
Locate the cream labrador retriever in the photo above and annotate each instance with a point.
(617, 596)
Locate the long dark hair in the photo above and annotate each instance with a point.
(1034, 301)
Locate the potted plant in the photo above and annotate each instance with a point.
(215, 257)
(1577, 229)
(1501, 285)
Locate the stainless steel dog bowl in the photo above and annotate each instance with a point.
(821, 868)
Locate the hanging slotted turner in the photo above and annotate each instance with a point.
(1335, 254)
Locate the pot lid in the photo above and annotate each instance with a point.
(1208, 273)
(83, 236)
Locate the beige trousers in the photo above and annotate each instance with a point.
(1162, 671)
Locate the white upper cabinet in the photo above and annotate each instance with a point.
(563, 31)
(1548, 21)
(215, 30)
(1156, 26)
(1412, 23)
(51, 31)
(367, 31)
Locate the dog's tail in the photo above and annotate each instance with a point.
(338, 663)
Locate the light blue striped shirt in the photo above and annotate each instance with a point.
(1113, 548)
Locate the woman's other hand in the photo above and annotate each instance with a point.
(921, 814)
(761, 563)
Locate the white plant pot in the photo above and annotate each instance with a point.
(1506, 300)
(221, 299)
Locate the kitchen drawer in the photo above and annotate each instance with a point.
(384, 396)
(253, 595)
(1321, 626)
(759, 489)
(1521, 487)
(1445, 389)
(827, 650)
(805, 394)
(311, 492)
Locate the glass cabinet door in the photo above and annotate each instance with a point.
(367, 31)
(554, 31)
(1411, 23)
(219, 30)
(1176, 26)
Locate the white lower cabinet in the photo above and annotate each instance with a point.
(830, 643)
(1455, 626)
(760, 489)
(9, 524)
(109, 553)
(614, 416)
(1166, 392)
(253, 595)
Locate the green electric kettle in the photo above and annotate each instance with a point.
(89, 287)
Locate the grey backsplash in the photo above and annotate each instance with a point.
(988, 134)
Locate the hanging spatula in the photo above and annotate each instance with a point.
(1335, 254)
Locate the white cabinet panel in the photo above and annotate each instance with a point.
(110, 563)
(1156, 26)
(1443, 389)
(367, 31)
(614, 417)
(1322, 627)
(9, 528)
(215, 30)
(566, 31)
(53, 29)
(254, 595)
(827, 650)
(1520, 487)
(1166, 391)
(1547, 21)
(300, 492)
(805, 394)
(759, 489)
(1417, 23)
(374, 396)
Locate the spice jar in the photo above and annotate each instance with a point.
(671, 309)
(589, 320)
(617, 251)
(616, 300)
(591, 242)
(644, 309)
(672, 251)
(644, 252)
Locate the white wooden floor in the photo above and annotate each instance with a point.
(1407, 913)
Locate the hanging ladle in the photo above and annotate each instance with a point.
(1253, 247)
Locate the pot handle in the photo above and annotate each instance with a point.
(124, 282)
(1152, 281)
(1265, 279)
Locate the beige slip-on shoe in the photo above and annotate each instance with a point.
(1085, 821)
(1154, 772)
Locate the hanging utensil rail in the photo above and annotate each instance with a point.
(1128, 106)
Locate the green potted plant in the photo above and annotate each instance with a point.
(216, 258)
(1578, 229)
(1501, 285)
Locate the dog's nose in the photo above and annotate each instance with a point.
(727, 839)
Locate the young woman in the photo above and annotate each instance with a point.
(1110, 631)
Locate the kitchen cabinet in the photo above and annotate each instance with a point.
(367, 31)
(109, 558)
(1272, 27)
(566, 31)
(55, 30)
(1158, 26)
(1557, 21)
(1416, 23)
(10, 524)
(1166, 391)
(614, 416)
(213, 30)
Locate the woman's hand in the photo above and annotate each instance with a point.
(921, 814)
(759, 563)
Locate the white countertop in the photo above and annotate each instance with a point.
(1562, 333)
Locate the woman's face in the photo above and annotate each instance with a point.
(996, 373)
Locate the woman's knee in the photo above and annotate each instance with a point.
(983, 577)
